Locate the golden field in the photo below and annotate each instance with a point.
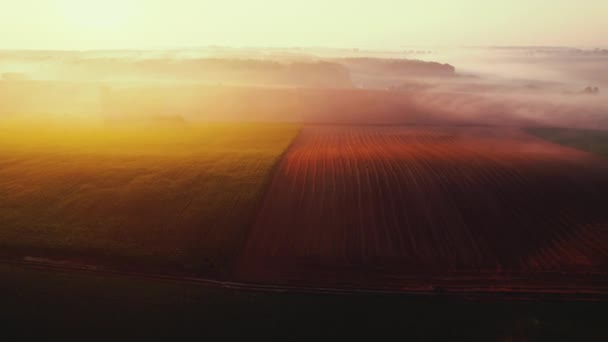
(176, 194)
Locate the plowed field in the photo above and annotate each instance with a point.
(359, 206)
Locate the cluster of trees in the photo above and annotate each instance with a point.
(591, 90)
(397, 67)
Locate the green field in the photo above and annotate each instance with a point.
(584, 139)
(180, 196)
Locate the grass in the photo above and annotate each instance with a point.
(593, 141)
(176, 195)
(47, 303)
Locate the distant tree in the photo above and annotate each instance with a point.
(591, 90)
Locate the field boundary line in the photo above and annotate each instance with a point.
(590, 295)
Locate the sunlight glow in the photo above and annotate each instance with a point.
(96, 16)
(140, 24)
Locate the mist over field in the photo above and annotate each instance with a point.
(562, 87)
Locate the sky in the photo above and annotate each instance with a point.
(384, 24)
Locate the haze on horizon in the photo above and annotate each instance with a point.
(386, 24)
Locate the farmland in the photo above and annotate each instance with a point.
(42, 303)
(178, 196)
(378, 206)
(346, 206)
(594, 141)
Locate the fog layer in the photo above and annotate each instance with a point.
(484, 86)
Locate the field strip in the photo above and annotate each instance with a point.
(179, 198)
(440, 288)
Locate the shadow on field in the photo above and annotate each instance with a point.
(43, 303)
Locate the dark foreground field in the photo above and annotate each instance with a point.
(91, 306)
(432, 207)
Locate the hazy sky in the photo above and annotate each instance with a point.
(93, 24)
